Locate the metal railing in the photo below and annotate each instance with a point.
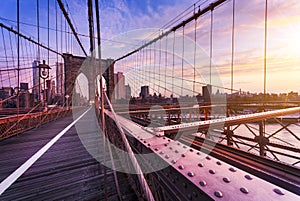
(16, 124)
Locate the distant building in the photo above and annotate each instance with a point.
(127, 92)
(8, 90)
(3, 94)
(60, 78)
(119, 80)
(23, 86)
(35, 80)
(207, 92)
(50, 91)
(144, 92)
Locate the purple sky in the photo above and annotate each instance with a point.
(123, 16)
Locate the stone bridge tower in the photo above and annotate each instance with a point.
(74, 65)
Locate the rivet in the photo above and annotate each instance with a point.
(202, 183)
(161, 152)
(232, 169)
(191, 150)
(212, 172)
(166, 144)
(198, 153)
(184, 146)
(191, 174)
(169, 140)
(170, 148)
(189, 196)
(278, 191)
(200, 164)
(173, 161)
(156, 149)
(141, 138)
(176, 151)
(218, 194)
(164, 137)
(183, 155)
(148, 145)
(219, 163)
(181, 167)
(226, 179)
(207, 157)
(178, 143)
(167, 156)
(248, 177)
(244, 190)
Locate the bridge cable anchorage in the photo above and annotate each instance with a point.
(61, 5)
(140, 175)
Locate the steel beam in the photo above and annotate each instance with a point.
(228, 121)
(194, 174)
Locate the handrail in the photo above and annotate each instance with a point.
(140, 175)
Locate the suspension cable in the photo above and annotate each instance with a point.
(211, 44)
(232, 43)
(140, 175)
(182, 61)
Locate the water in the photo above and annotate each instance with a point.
(283, 137)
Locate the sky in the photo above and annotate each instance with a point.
(120, 20)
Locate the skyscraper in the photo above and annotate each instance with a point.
(119, 80)
(144, 91)
(35, 80)
(59, 78)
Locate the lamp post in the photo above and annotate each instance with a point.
(44, 74)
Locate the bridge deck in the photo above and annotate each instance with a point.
(65, 172)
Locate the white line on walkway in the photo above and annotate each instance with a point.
(6, 183)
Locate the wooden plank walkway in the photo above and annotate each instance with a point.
(65, 172)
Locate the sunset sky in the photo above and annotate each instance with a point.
(121, 18)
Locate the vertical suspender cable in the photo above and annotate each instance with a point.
(39, 51)
(182, 60)
(159, 64)
(66, 37)
(61, 33)
(5, 52)
(18, 49)
(265, 65)
(56, 44)
(101, 88)
(166, 64)
(265, 48)
(173, 57)
(211, 43)
(91, 25)
(195, 51)
(232, 43)
(48, 31)
(149, 66)
(12, 52)
(154, 65)
(38, 28)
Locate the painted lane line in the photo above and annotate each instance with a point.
(6, 183)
